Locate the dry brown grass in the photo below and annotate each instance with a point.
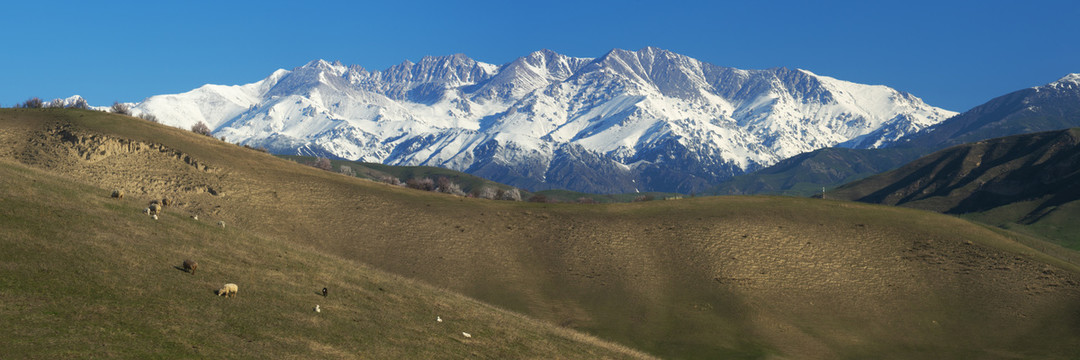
(742, 277)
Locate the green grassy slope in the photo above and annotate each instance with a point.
(88, 276)
(716, 277)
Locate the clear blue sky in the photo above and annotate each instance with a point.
(953, 54)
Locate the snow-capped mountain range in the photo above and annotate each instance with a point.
(647, 120)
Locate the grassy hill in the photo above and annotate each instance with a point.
(1024, 182)
(87, 276)
(716, 277)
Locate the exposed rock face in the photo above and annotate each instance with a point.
(120, 163)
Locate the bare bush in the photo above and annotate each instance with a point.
(323, 163)
(202, 129)
(586, 200)
(120, 108)
(486, 193)
(425, 184)
(33, 103)
(80, 103)
(390, 180)
(148, 117)
(644, 198)
(512, 194)
(444, 185)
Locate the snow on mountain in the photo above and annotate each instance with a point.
(647, 120)
(1071, 81)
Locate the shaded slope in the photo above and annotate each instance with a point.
(1036, 172)
(749, 277)
(805, 174)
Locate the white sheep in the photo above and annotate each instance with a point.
(229, 290)
(154, 216)
(195, 217)
(439, 319)
(467, 335)
(221, 224)
(317, 308)
(146, 211)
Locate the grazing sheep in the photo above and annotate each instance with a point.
(195, 217)
(438, 318)
(324, 292)
(190, 266)
(166, 202)
(465, 334)
(317, 308)
(146, 211)
(229, 290)
(154, 216)
(117, 193)
(155, 208)
(221, 224)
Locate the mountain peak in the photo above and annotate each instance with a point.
(634, 116)
(1071, 80)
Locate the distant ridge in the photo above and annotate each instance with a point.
(1035, 176)
(628, 121)
(1053, 106)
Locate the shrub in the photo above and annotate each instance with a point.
(486, 193)
(120, 108)
(33, 103)
(425, 184)
(538, 198)
(148, 117)
(80, 103)
(512, 194)
(390, 180)
(201, 128)
(323, 163)
(444, 185)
